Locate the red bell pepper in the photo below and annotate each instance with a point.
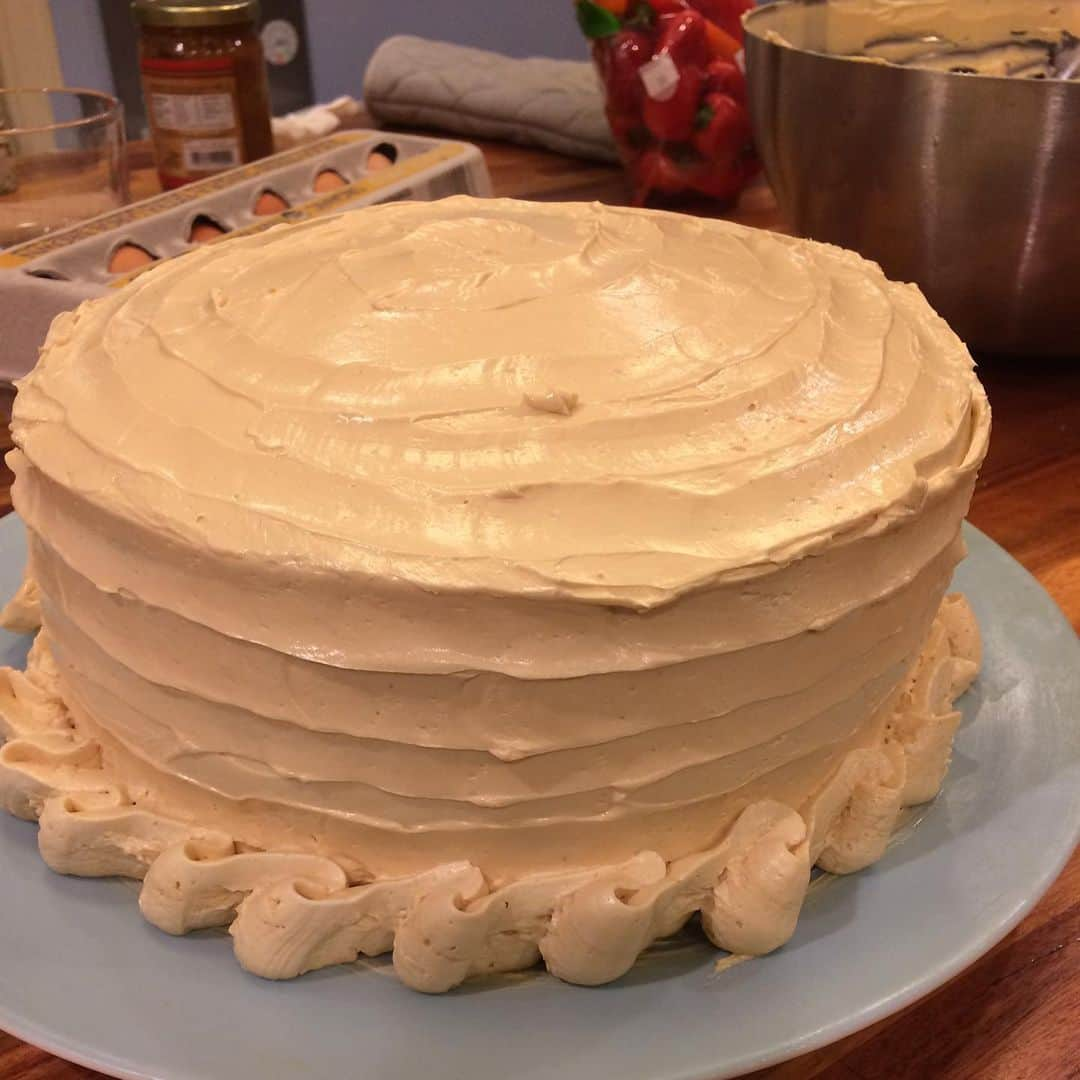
(672, 120)
(675, 100)
(655, 171)
(682, 37)
(724, 182)
(621, 123)
(720, 43)
(619, 59)
(724, 77)
(722, 128)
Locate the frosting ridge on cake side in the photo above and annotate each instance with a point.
(291, 912)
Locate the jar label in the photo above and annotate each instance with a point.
(195, 118)
(193, 112)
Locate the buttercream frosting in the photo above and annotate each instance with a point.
(1015, 38)
(291, 912)
(471, 555)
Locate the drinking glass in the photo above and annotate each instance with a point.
(61, 160)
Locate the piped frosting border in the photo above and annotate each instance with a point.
(291, 912)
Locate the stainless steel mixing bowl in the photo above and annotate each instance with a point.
(968, 185)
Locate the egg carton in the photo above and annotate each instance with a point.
(236, 202)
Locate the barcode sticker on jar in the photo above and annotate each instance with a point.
(208, 154)
(193, 112)
(195, 118)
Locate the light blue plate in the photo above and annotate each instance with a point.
(82, 975)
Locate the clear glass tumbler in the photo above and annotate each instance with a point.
(61, 160)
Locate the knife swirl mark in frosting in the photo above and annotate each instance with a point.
(349, 396)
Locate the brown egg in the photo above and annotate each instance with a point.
(128, 257)
(204, 229)
(328, 180)
(269, 202)
(377, 160)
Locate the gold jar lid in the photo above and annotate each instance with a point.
(194, 12)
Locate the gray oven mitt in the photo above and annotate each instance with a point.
(553, 103)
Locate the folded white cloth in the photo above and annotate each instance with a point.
(553, 103)
(312, 123)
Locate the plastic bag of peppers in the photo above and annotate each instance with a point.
(676, 95)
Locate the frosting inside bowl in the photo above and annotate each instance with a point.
(1034, 39)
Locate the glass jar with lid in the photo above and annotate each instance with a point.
(204, 81)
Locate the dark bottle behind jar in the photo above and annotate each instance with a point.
(204, 81)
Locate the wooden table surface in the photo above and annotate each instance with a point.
(1015, 1014)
